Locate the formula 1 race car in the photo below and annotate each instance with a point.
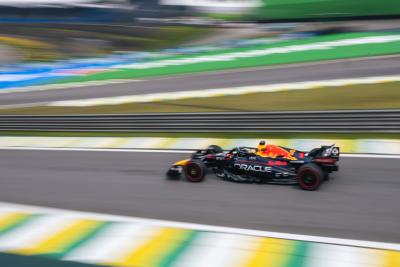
(264, 164)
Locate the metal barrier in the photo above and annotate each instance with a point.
(305, 121)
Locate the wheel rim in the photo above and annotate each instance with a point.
(194, 171)
(309, 179)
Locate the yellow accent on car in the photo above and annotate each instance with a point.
(182, 162)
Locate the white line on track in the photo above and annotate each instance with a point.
(72, 85)
(216, 92)
(274, 67)
(377, 156)
(172, 151)
(202, 227)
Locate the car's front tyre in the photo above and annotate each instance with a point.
(195, 171)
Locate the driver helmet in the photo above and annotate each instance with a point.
(261, 146)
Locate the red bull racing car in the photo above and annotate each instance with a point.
(264, 164)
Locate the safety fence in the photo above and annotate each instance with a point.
(306, 121)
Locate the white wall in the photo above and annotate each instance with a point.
(58, 3)
(222, 6)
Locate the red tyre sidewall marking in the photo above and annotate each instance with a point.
(197, 179)
(303, 185)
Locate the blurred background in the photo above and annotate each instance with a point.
(83, 80)
(52, 30)
(52, 42)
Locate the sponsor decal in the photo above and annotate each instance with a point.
(277, 163)
(254, 168)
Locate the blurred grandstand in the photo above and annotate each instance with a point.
(70, 3)
(65, 11)
(86, 11)
(295, 10)
(128, 10)
(47, 30)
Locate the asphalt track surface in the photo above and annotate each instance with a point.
(354, 68)
(360, 202)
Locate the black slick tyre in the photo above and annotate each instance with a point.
(310, 177)
(195, 171)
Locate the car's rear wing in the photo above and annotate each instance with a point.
(325, 152)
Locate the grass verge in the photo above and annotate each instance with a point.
(372, 96)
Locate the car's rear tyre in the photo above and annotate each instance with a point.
(215, 149)
(195, 171)
(310, 177)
